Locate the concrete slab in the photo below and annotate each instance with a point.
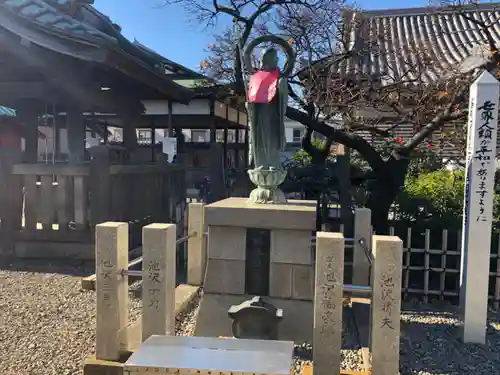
(213, 320)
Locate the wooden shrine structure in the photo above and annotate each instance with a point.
(67, 66)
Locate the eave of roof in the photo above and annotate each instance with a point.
(32, 19)
(167, 64)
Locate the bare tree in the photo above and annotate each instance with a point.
(333, 91)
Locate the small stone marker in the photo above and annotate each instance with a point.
(386, 304)
(111, 288)
(158, 280)
(478, 207)
(197, 256)
(327, 330)
(255, 319)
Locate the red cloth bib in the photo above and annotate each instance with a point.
(263, 86)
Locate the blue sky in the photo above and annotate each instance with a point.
(167, 29)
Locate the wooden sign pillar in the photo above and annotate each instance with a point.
(478, 206)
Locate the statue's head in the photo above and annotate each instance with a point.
(269, 59)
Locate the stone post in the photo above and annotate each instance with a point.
(362, 231)
(327, 329)
(197, 254)
(111, 288)
(158, 279)
(386, 304)
(479, 191)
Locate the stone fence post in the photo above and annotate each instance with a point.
(197, 255)
(386, 304)
(111, 244)
(328, 294)
(362, 231)
(158, 279)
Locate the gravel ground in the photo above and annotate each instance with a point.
(350, 354)
(47, 322)
(430, 344)
(47, 326)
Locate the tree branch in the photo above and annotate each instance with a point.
(348, 139)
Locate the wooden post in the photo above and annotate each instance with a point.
(158, 280)
(213, 127)
(170, 120)
(100, 185)
(343, 165)
(386, 304)
(111, 244)
(59, 120)
(76, 136)
(327, 329)
(29, 117)
(217, 187)
(197, 256)
(362, 232)
(11, 197)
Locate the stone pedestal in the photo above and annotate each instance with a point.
(244, 236)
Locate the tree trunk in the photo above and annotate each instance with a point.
(384, 192)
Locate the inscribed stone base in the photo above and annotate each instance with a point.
(213, 320)
(237, 254)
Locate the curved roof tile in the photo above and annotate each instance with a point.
(54, 16)
(386, 42)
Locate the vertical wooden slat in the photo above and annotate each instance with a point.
(117, 198)
(47, 202)
(426, 265)
(30, 202)
(497, 279)
(444, 243)
(80, 202)
(408, 259)
(63, 197)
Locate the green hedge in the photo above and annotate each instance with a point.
(435, 200)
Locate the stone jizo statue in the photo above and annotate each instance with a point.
(267, 100)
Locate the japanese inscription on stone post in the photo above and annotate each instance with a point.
(386, 304)
(155, 275)
(111, 288)
(327, 331)
(478, 205)
(158, 285)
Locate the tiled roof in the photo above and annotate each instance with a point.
(55, 16)
(385, 42)
(6, 111)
